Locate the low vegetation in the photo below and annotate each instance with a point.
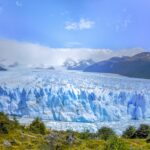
(106, 133)
(36, 136)
(130, 132)
(37, 126)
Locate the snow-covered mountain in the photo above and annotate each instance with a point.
(69, 63)
(13, 65)
(74, 96)
(8, 64)
(77, 65)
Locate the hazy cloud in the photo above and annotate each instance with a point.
(74, 44)
(81, 25)
(123, 24)
(35, 54)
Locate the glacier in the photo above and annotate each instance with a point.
(66, 97)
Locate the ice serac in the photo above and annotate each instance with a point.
(74, 96)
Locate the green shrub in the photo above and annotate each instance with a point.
(37, 126)
(4, 129)
(105, 133)
(148, 139)
(16, 123)
(116, 143)
(85, 135)
(5, 124)
(3, 117)
(143, 131)
(129, 132)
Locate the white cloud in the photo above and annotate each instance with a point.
(71, 26)
(74, 44)
(18, 3)
(35, 54)
(123, 24)
(82, 24)
(85, 24)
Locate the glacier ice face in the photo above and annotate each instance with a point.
(74, 96)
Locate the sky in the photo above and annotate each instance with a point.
(73, 24)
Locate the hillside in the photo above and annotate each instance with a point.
(35, 136)
(136, 66)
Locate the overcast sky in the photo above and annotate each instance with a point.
(49, 31)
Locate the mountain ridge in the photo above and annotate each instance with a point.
(77, 65)
(136, 66)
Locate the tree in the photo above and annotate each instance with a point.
(105, 133)
(143, 131)
(37, 126)
(86, 134)
(129, 132)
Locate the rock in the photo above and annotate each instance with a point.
(70, 139)
(6, 143)
(51, 137)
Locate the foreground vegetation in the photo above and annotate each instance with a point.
(14, 136)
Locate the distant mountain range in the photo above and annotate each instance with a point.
(15, 64)
(80, 65)
(135, 66)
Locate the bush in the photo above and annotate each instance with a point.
(3, 117)
(5, 124)
(37, 126)
(105, 133)
(148, 139)
(143, 131)
(116, 143)
(129, 132)
(16, 123)
(86, 135)
(3, 128)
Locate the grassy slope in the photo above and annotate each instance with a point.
(14, 136)
(27, 140)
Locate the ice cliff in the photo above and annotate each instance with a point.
(74, 96)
